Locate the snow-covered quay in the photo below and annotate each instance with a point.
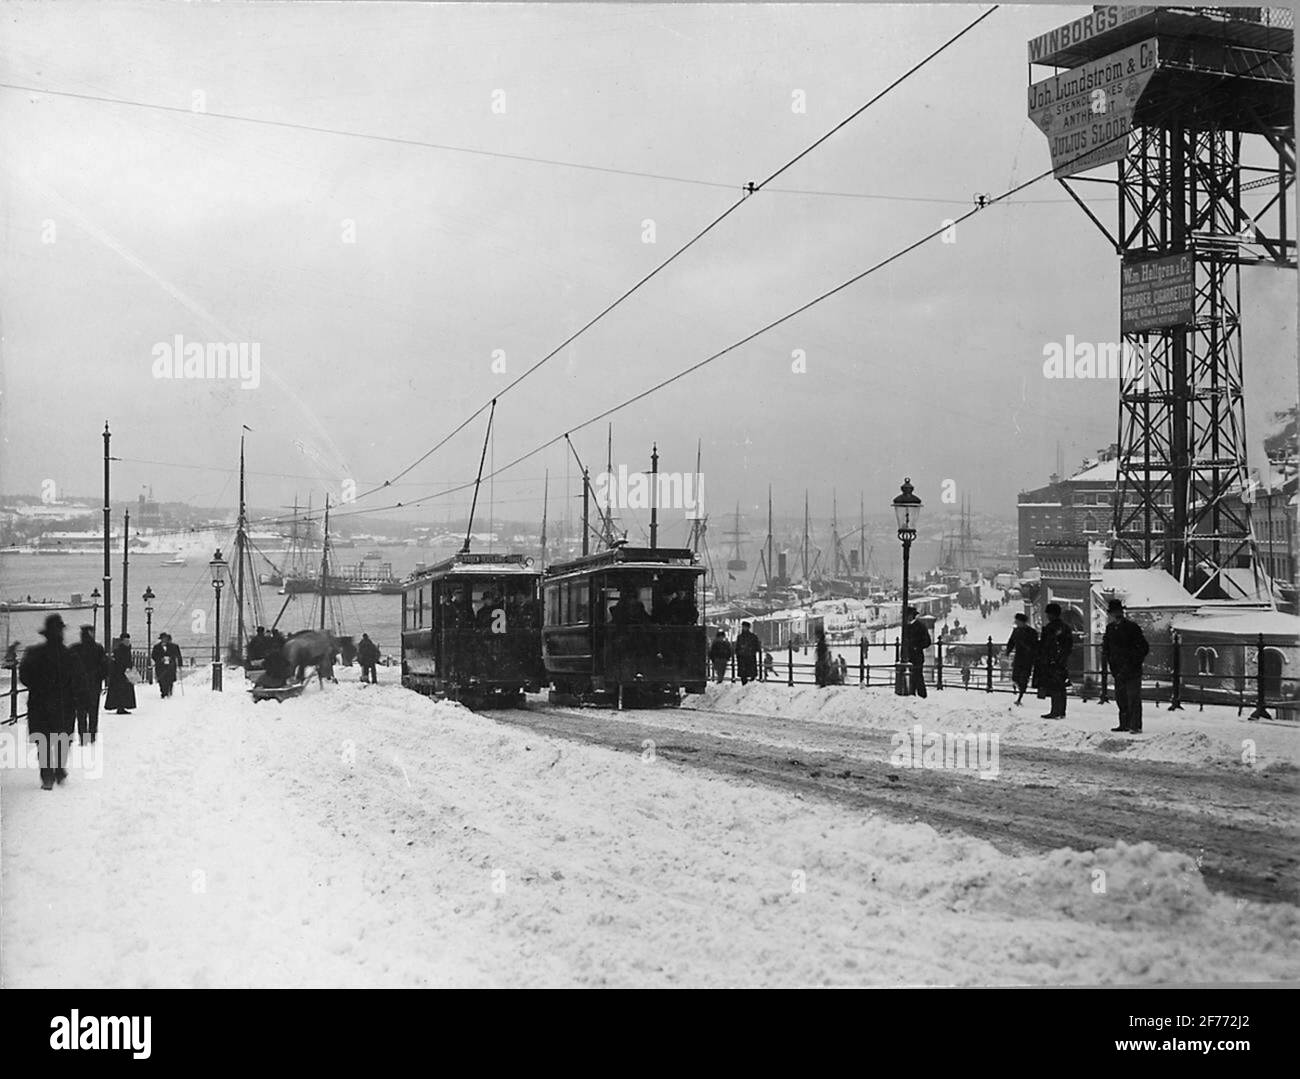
(364, 836)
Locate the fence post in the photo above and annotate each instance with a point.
(1105, 678)
(789, 664)
(938, 663)
(988, 684)
(862, 660)
(1260, 711)
(13, 692)
(1176, 690)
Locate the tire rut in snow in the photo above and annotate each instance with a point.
(1090, 801)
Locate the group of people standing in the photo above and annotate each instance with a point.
(63, 688)
(746, 651)
(1040, 659)
(1044, 659)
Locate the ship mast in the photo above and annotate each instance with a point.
(325, 562)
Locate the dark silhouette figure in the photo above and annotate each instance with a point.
(56, 686)
(94, 662)
(121, 690)
(720, 655)
(1055, 644)
(1023, 646)
(747, 648)
(368, 657)
(1125, 647)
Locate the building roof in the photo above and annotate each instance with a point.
(1101, 472)
(1147, 588)
(1249, 624)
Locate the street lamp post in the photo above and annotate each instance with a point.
(148, 598)
(907, 509)
(218, 567)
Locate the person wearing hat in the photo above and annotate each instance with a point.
(916, 640)
(1055, 644)
(94, 662)
(56, 687)
(1124, 647)
(121, 690)
(1024, 644)
(720, 655)
(166, 663)
(747, 648)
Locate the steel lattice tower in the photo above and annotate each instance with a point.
(1208, 173)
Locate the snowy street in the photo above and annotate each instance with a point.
(367, 836)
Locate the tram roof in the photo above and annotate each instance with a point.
(628, 558)
(478, 564)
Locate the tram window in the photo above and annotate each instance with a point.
(552, 605)
(581, 602)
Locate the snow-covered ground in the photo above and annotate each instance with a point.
(364, 836)
(1215, 735)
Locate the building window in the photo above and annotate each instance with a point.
(1205, 660)
(1089, 523)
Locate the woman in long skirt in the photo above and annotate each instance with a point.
(121, 691)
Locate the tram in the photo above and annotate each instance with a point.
(471, 630)
(622, 626)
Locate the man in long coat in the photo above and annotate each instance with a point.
(747, 648)
(94, 663)
(121, 690)
(1055, 644)
(56, 687)
(1023, 644)
(1125, 647)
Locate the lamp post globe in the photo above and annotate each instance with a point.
(218, 568)
(907, 512)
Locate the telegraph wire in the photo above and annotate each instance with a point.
(750, 189)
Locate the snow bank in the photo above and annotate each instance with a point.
(1215, 736)
(364, 836)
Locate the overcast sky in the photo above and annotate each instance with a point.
(167, 223)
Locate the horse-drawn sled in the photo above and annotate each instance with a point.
(281, 673)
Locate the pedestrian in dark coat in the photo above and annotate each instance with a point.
(822, 664)
(368, 657)
(121, 690)
(94, 664)
(1024, 644)
(916, 639)
(1125, 648)
(1055, 644)
(166, 663)
(747, 648)
(720, 655)
(56, 687)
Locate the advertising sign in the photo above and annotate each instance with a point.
(1157, 293)
(1087, 112)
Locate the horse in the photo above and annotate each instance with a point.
(311, 648)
